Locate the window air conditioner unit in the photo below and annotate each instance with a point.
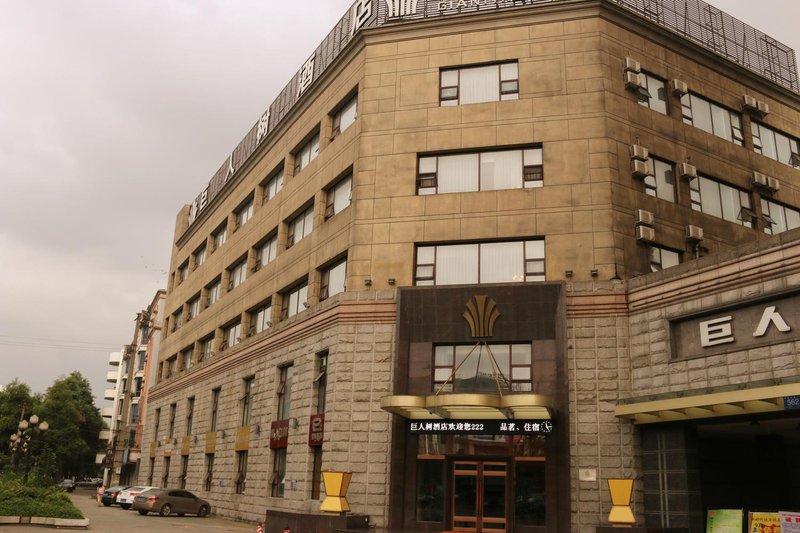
(763, 108)
(773, 184)
(679, 87)
(640, 169)
(749, 103)
(687, 171)
(645, 233)
(631, 65)
(256, 266)
(760, 180)
(694, 233)
(633, 81)
(645, 218)
(639, 153)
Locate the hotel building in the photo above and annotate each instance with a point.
(486, 256)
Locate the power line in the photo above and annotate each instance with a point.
(88, 344)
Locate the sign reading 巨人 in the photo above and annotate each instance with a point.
(482, 427)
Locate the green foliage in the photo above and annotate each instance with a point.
(17, 499)
(68, 448)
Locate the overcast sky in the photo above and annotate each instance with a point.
(112, 116)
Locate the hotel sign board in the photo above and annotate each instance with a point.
(279, 434)
(753, 325)
(316, 430)
(776, 61)
(481, 427)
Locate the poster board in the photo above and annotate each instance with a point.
(790, 522)
(764, 523)
(724, 521)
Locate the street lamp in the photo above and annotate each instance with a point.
(21, 440)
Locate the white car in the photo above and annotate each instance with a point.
(125, 498)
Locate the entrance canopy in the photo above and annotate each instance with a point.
(674, 407)
(470, 406)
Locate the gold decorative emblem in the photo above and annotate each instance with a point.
(481, 314)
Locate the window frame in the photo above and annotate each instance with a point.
(208, 478)
(190, 401)
(286, 296)
(200, 255)
(216, 393)
(213, 291)
(237, 273)
(284, 391)
(306, 152)
(248, 384)
(264, 309)
(333, 192)
(757, 131)
(769, 216)
(268, 244)
(657, 266)
(696, 197)
(244, 213)
(454, 93)
(644, 98)
(241, 471)
(688, 116)
(655, 187)
(340, 111)
(220, 235)
(273, 184)
(325, 273)
(525, 385)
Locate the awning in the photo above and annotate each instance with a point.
(470, 406)
(675, 407)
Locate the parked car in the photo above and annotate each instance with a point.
(110, 495)
(168, 501)
(126, 496)
(67, 484)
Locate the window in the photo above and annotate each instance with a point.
(165, 474)
(214, 408)
(479, 368)
(141, 360)
(189, 415)
(277, 480)
(200, 256)
(183, 271)
(134, 413)
(306, 153)
(261, 318)
(472, 85)
(241, 471)
(654, 94)
(177, 319)
(778, 218)
(720, 200)
(193, 308)
(187, 358)
(316, 473)
(294, 300)
(345, 116)
(244, 213)
(300, 226)
(213, 292)
(206, 348)
(237, 274)
(491, 262)
(661, 258)
(137, 387)
(338, 197)
(662, 182)
(220, 236)
(184, 470)
(273, 185)
(172, 408)
(171, 366)
(321, 382)
(247, 400)
(157, 423)
(150, 472)
(285, 392)
(209, 477)
(266, 252)
(775, 145)
(712, 118)
(480, 171)
(333, 280)
(232, 335)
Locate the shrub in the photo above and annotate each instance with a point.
(26, 500)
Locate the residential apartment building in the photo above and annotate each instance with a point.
(133, 378)
(425, 264)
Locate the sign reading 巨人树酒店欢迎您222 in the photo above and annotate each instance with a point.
(481, 427)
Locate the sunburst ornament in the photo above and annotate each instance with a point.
(481, 314)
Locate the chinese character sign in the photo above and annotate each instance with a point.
(306, 76)
(790, 522)
(362, 11)
(482, 427)
(401, 8)
(717, 331)
(263, 127)
(764, 523)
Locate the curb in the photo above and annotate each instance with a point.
(72, 523)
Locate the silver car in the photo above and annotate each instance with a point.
(125, 498)
(168, 501)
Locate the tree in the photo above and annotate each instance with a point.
(15, 400)
(75, 424)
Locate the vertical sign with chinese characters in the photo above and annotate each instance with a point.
(279, 434)
(316, 430)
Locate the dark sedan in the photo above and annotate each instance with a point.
(170, 501)
(110, 495)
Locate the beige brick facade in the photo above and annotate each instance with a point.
(573, 104)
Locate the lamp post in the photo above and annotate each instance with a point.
(21, 441)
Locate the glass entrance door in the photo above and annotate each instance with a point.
(479, 496)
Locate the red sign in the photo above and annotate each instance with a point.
(279, 434)
(316, 430)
